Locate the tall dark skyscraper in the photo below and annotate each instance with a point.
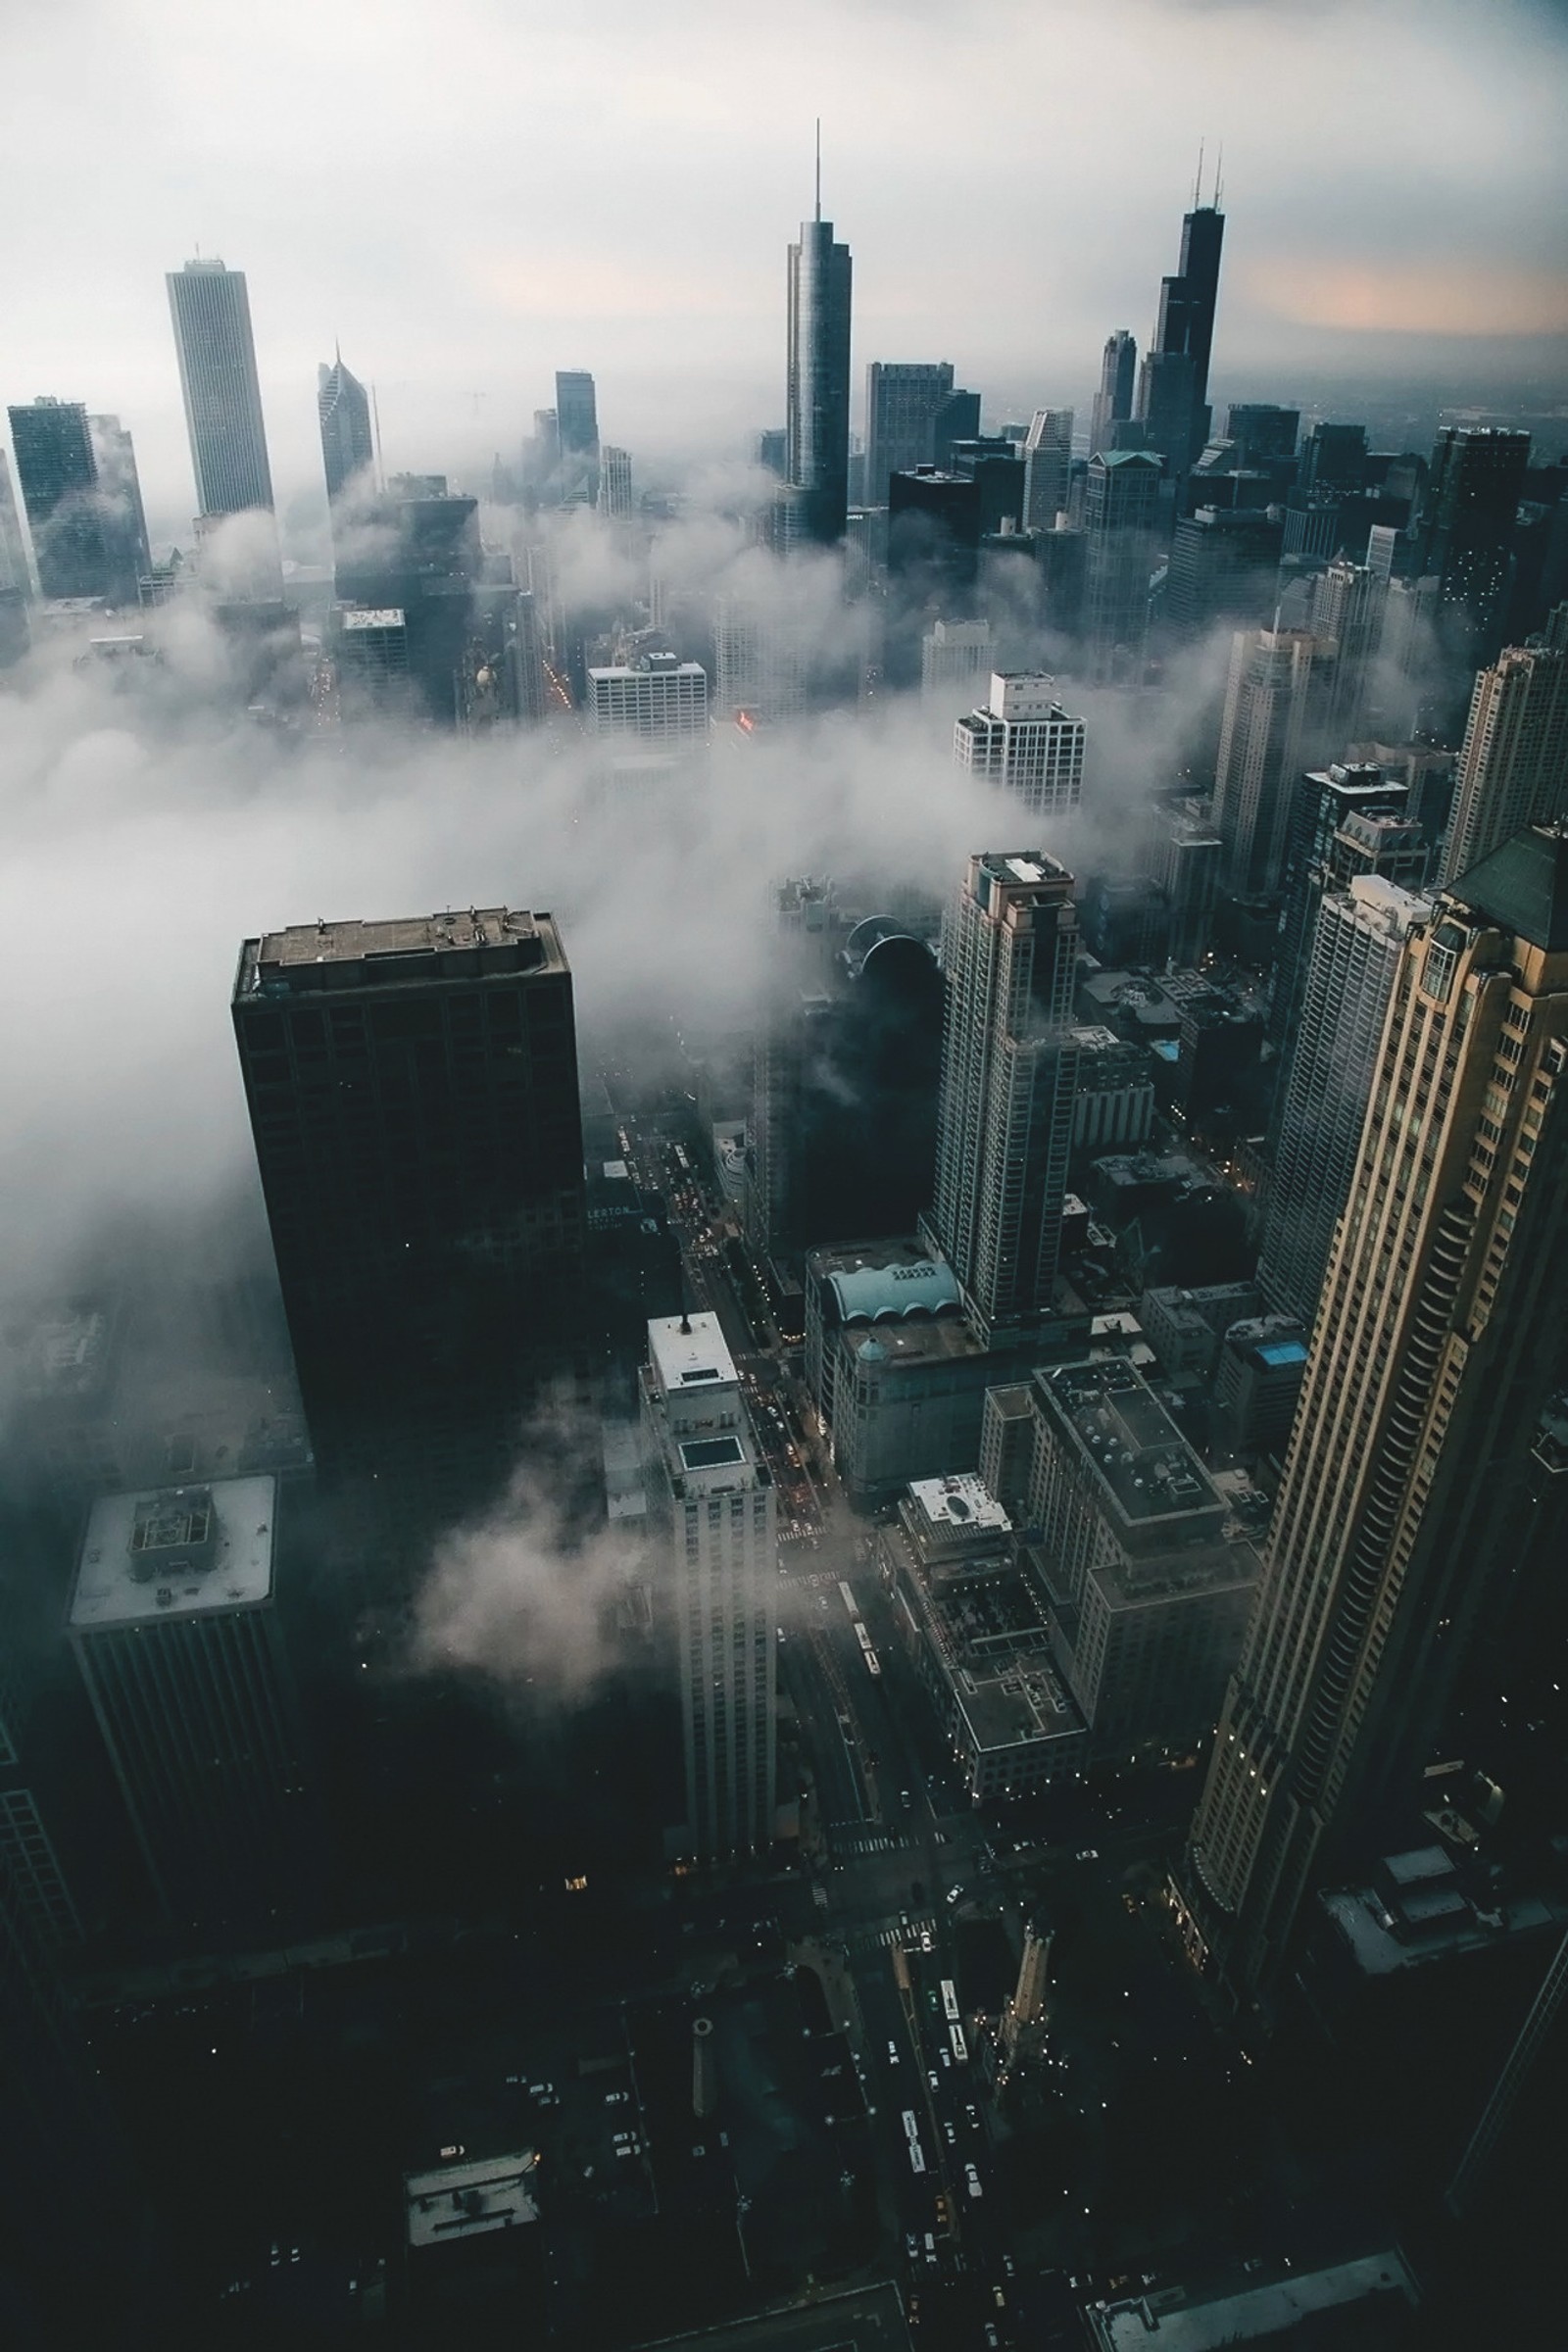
(1437, 1345)
(1173, 388)
(577, 433)
(1122, 512)
(212, 313)
(412, 1092)
(902, 402)
(1113, 402)
(1472, 502)
(59, 477)
(343, 406)
(817, 388)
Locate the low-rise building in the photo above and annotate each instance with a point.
(1257, 1380)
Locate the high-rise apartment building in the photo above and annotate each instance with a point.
(1047, 467)
(1024, 741)
(174, 1622)
(343, 410)
(1005, 1108)
(1113, 402)
(954, 656)
(1349, 603)
(614, 483)
(412, 1092)
(1121, 512)
(1276, 700)
(1186, 857)
(1344, 820)
(1438, 1342)
(1354, 951)
(58, 472)
(1173, 383)
(817, 381)
(903, 399)
(658, 699)
(1468, 516)
(714, 1500)
(1513, 767)
(216, 351)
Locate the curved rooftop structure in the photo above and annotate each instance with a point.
(878, 1293)
(878, 931)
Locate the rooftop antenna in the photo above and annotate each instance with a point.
(1219, 167)
(1198, 184)
(819, 166)
(376, 418)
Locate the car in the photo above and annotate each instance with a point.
(1002, 2300)
(949, 2134)
(934, 2079)
(992, 2337)
(972, 2181)
(954, 1895)
(1089, 1853)
(892, 2053)
(905, 1799)
(1008, 2268)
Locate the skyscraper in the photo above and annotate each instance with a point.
(1047, 467)
(657, 700)
(1024, 741)
(614, 483)
(1113, 402)
(1322, 849)
(15, 577)
(1004, 1107)
(1277, 701)
(902, 401)
(412, 1094)
(714, 1501)
(343, 406)
(212, 314)
(1173, 385)
(1513, 768)
(125, 521)
(1349, 605)
(577, 427)
(58, 472)
(956, 656)
(1437, 1345)
(173, 1620)
(1467, 528)
(818, 386)
(1353, 956)
(1121, 510)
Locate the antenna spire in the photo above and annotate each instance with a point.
(1219, 169)
(1198, 184)
(819, 166)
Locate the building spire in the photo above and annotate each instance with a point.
(1198, 184)
(1219, 170)
(819, 166)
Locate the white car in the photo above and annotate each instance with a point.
(954, 1895)
(972, 2181)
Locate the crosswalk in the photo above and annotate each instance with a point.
(849, 1839)
(873, 1940)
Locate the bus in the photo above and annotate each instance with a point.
(961, 2049)
(911, 2130)
(949, 2001)
(867, 1651)
(916, 2157)
(849, 1601)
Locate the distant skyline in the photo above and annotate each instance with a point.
(490, 205)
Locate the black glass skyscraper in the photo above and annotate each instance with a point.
(1113, 402)
(344, 409)
(1173, 389)
(58, 473)
(818, 390)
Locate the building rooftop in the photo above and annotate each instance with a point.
(1523, 886)
(370, 616)
(175, 1551)
(1124, 1437)
(983, 1623)
(961, 1503)
(1256, 2313)
(870, 1293)
(349, 953)
(486, 2195)
(689, 1352)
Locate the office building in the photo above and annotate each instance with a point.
(1263, 435)
(1369, 2302)
(1224, 566)
(817, 380)
(217, 353)
(412, 1094)
(1513, 764)
(1262, 1362)
(1472, 490)
(1114, 1100)
(1048, 469)
(1350, 607)
(765, 657)
(125, 521)
(958, 419)
(614, 483)
(577, 414)
(1122, 516)
(903, 403)
(971, 1625)
(713, 1499)
(1334, 460)
(1438, 1345)
(1173, 381)
(57, 470)
(1344, 820)
(15, 572)
(955, 655)
(1277, 698)
(343, 410)
(1147, 1581)
(173, 1623)
(993, 463)
(1005, 1111)
(1113, 402)
(1023, 740)
(1186, 855)
(657, 700)
(934, 539)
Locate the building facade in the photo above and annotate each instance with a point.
(1278, 695)
(1513, 765)
(658, 699)
(714, 1500)
(1048, 469)
(903, 403)
(343, 411)
(211, 309)
(1438, 1343)
(58, 473)
(818, 380)
(1118, 380)
(1024, 742)
(1121, 515)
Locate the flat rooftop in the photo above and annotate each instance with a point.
(690, 1351)
(1254, 2314)
(984, 1624)
(489, 2193)
(1119, 1430)
(961, 1501)
(175, 1551)
(348, 953)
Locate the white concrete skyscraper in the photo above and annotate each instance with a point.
(1009, 1064)
(1047, 468)
(217, 350)
(1024, 741)
(715, 1505)
(1278, 699)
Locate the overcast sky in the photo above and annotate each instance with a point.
(472, 193)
